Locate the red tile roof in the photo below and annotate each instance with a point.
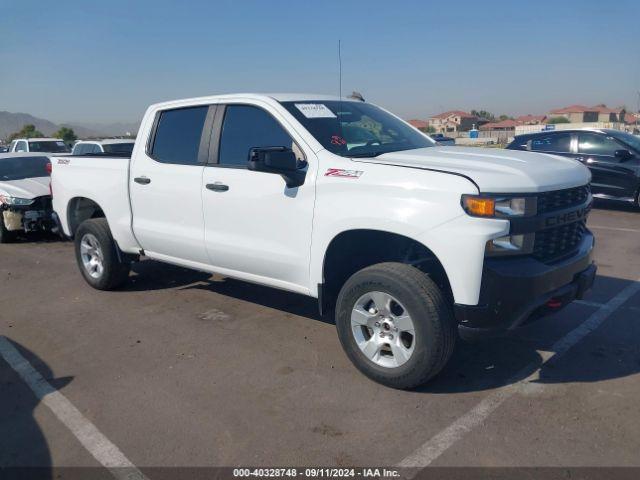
(500, 125)
(452, 113)
(418, 123)
(582, 108)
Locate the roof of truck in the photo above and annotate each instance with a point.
(280, 97)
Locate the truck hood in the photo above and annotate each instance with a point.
(494, 170)
(26, 188)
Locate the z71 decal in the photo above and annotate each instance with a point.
(339, 172)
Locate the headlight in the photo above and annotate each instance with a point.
(496, 206)
(15, 201)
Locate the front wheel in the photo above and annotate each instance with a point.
(97, 255)
(395, 325)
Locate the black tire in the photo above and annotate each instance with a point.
(5, 235)
(435, 327)
(115, 271)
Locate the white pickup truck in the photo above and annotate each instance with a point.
(408, 243)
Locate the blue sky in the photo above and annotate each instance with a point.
(105, 61)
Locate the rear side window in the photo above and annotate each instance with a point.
(560, 143)
(247, 127)
(594, 144)
(177, 135)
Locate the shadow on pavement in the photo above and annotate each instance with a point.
(479, 366)
(22, 442)
(612, 351)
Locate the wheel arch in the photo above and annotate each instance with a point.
(352, 250)
(80, 209)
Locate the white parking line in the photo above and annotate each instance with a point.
(438, 444)
(617, 229)
(86, 432)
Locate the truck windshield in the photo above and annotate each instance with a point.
(19, 168)
(356, 129)
(48, 146)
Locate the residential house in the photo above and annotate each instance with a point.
(531, 119)
(508, 125)
(584, 114)
(419, 124)
(453, 121)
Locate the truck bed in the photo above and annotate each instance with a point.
(82, 180)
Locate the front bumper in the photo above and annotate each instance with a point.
(515, 290)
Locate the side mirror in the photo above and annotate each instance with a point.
(623, 155)
(279, 160)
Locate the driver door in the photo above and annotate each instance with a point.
(256, 227)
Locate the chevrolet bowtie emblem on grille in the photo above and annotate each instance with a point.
(566, 217)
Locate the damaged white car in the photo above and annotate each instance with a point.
(25, 195)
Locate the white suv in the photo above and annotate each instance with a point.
(114, 146)
(40, 145)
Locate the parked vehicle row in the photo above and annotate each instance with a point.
(408, 243)
(612, 156)
(25, 198)
(39, 145)
(115, 146)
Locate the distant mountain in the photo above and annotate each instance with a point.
(13, 122)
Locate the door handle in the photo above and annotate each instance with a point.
(142, 180)
(217, 187)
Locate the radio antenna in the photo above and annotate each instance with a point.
(340, 68)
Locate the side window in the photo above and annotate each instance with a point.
(93, 148)
(246, 127)
(560, 143)
(78, 149)
(21, 147)
(594, 144)
(177, 135)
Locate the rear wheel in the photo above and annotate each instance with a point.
(5, 235)
(395, 325)
(100, 262)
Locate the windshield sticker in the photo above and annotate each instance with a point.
(339, 172)
(315, 110)
(338, 140)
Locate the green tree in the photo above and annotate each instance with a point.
(28, 131)
(484, 115)
(505, 117)
(66, 134)
(555, 120)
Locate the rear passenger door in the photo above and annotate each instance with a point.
(166, 186)
(611, 176)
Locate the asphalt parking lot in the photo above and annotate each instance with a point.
(184, 369)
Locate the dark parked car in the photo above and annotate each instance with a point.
(442, 139)
(612, 156)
